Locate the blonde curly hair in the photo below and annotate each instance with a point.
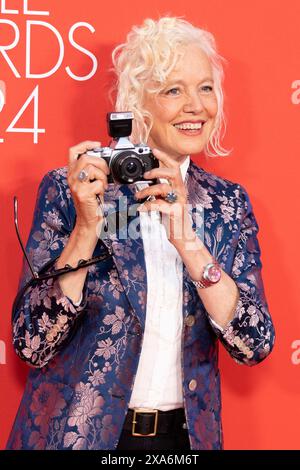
(148, 56)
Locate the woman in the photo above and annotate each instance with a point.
(125, 355)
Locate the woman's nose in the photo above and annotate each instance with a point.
(193, 103)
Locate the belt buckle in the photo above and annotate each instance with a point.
(136, 411)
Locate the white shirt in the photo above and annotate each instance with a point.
(158, 383)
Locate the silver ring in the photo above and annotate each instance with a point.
(171, 197)
(83, 176)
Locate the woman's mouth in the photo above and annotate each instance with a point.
(190, 128)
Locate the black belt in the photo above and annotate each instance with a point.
(149, 423)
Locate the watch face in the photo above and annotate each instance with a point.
(213, 273)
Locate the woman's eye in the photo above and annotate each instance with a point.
(207, 88)
(173, 91)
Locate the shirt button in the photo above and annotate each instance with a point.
(192, 385)
(190, 320)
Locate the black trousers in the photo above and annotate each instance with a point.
(176, 438)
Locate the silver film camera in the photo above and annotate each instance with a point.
(127, 162)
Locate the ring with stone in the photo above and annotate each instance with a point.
(83, 176)
(171, 197)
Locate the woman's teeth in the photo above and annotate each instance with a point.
(189, 126)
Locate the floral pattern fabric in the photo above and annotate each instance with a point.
(84, 358)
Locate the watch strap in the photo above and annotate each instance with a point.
(202, 284)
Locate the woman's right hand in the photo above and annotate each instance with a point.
(84, 192)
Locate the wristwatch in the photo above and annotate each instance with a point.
(211, 275)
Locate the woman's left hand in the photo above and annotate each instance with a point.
(179, 226)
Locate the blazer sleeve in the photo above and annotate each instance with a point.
(43, 317)
(250, 335)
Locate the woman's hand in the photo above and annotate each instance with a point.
(175, 215)
(85, 192)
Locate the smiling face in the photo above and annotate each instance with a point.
(184, 112)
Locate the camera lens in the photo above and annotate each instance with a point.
(127, 167)
(131, 167)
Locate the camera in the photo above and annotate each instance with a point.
(127, 162)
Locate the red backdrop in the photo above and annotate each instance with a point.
(259, 38)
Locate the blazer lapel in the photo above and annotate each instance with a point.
(199, 201)
(125, 241)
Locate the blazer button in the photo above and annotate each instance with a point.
(192, 385)
(189, 320)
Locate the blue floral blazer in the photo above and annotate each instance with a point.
(84, 359)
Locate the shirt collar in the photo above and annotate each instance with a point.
(184, 167)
